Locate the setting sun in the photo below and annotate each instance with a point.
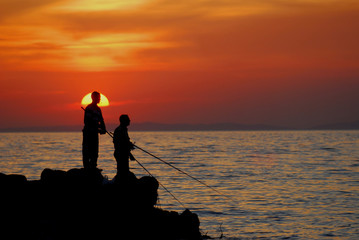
(86, 100)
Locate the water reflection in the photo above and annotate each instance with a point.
(296, 185)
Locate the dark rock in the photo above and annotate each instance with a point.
(148, 187)
(81, 204)
(52, 177)
(190, 225)
(12, 180)
(84, 177)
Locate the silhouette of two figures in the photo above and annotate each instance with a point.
(93, 126)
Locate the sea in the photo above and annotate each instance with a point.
(252, 184)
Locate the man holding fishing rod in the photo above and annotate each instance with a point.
(94, 124)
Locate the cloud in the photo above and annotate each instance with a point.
(99, 5)
(228, 34)
(17, 7)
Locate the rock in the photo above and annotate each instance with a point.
(190, 225)
(12, 180)
(148, 187)
(52, 177)
(75, 204)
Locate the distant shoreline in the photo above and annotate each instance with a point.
(161, 127)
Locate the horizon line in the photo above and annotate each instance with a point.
(155, 126)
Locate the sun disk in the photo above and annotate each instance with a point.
(86, 100)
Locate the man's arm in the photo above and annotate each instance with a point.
(102, 126)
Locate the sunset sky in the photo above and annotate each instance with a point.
(292, 63)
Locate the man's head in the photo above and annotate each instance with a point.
(125, 120)
(96, 97)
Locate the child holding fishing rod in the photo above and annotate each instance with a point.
(123, 147)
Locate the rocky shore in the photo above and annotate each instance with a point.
(82, 204)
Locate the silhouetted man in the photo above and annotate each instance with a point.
(123, 147)
(94, 124)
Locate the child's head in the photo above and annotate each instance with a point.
(125, 120)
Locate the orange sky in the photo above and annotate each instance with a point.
(288, 62)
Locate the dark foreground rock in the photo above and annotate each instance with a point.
(81, 204)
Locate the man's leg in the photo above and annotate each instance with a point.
(85, 151)
(93, 150)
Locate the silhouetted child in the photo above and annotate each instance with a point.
(94, 124)
(123, 147)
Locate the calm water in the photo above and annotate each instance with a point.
(286, 185)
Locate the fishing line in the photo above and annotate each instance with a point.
(110, 134)
(161, 184)
(183, 172)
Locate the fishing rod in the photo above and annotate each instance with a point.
(183, 172)
(131, 156)
(110, 134)
(134, 159)
(169, 164)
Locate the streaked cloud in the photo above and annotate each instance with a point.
(98, 5)
(96, 35)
